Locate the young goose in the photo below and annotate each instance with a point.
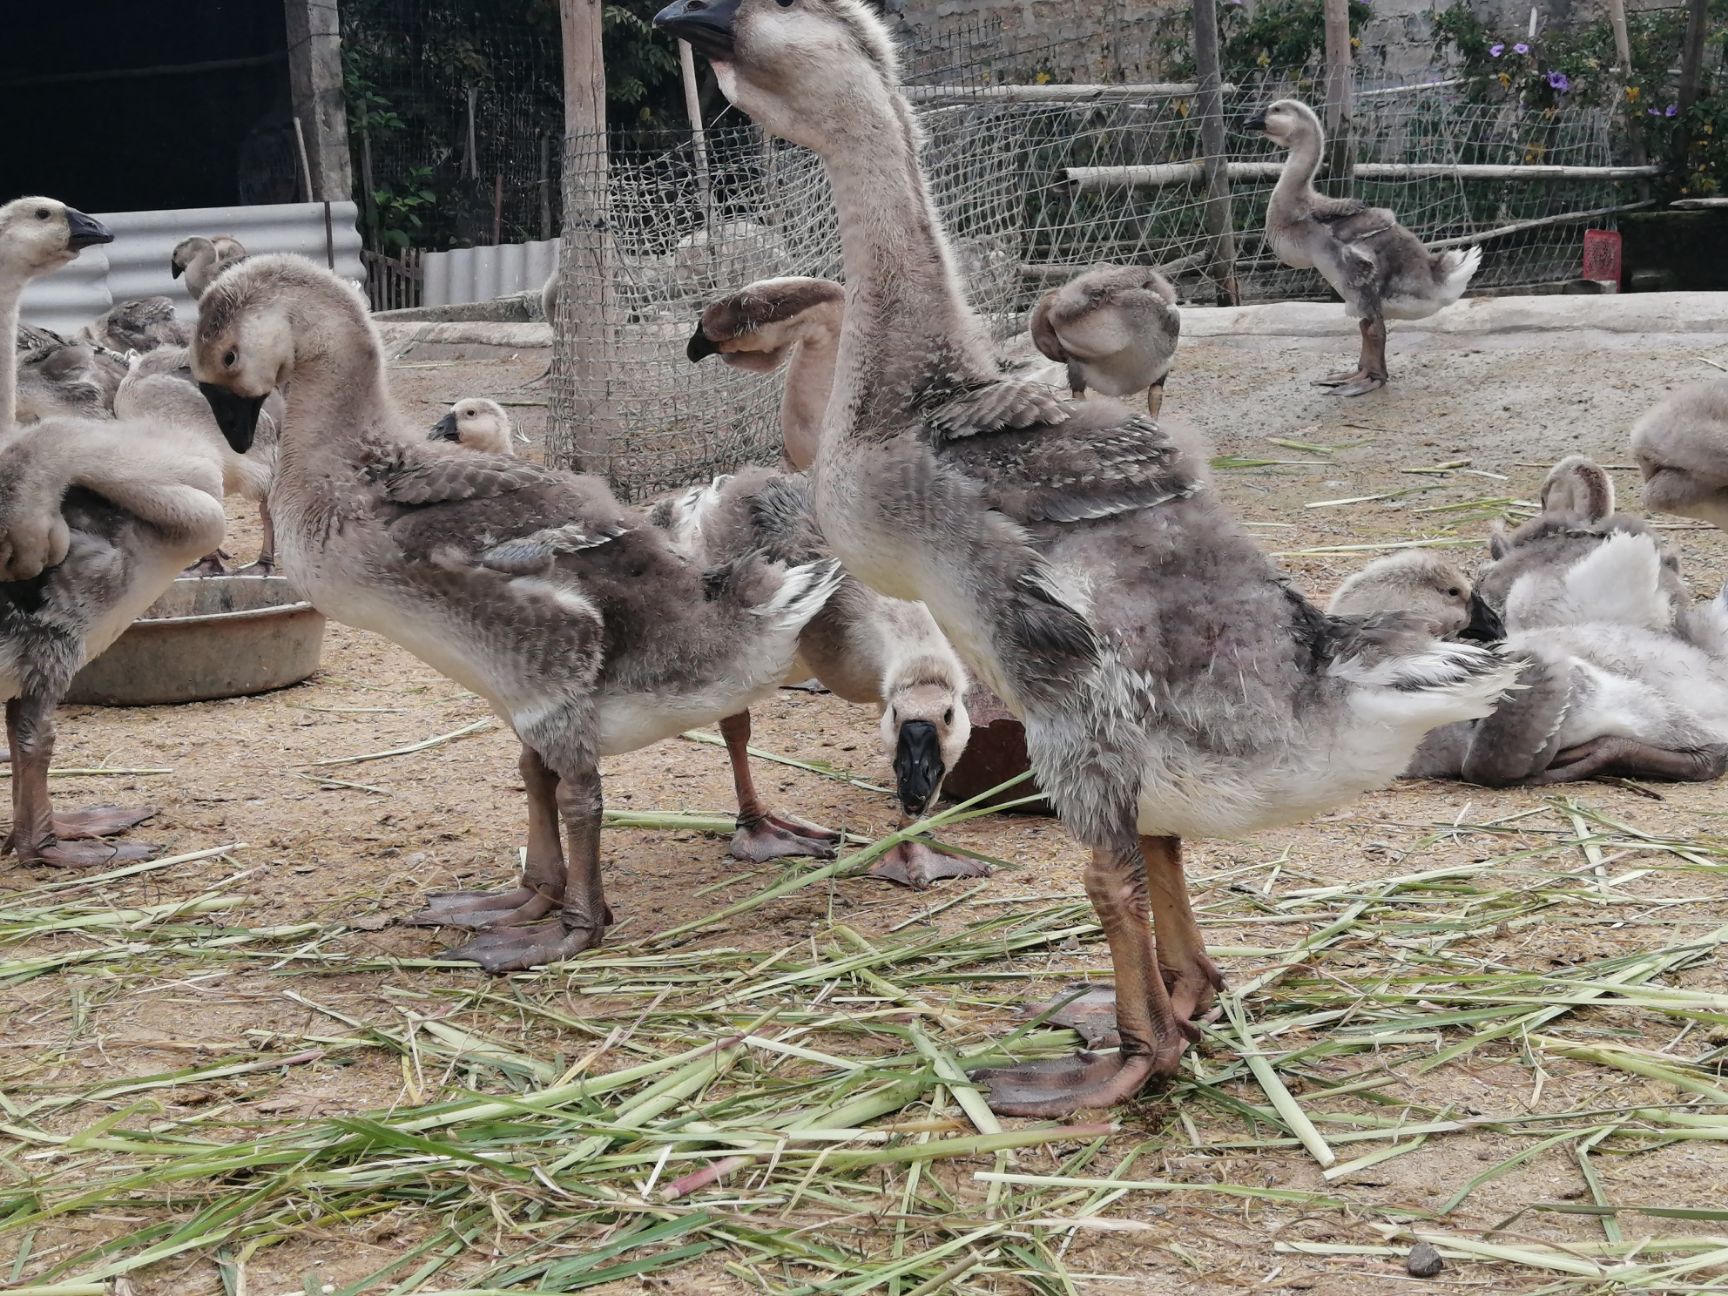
(201, 259)
(792, 321)
(158, 390)
(534, 588)
(67, 379)
(1681, 446)
(863, 647)
(1171, 684)
(142, 324)
(1115, 327)
(95, 520)
(1611, 687)
(1378, 267)
(479, 424)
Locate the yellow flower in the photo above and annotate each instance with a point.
(1265, 59)
(1355, 42)
(1182, 108)
(1505, 81)
(1632, 93)
(1043, 78)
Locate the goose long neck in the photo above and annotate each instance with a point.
(11, 291)
(1297, 180)
(336, 388)
(809, 384)
(907, 325)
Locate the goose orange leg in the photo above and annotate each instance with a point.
(1370, 371)
(762, 834)
(1153, 1037)
(38, 834)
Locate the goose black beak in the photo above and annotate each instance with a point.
(83, 231)
(236, 415)
(444, 429)
(918, 768)
(699, 347)
(175, 269)
(1255, 123)
(1485, 625)
(706, 24)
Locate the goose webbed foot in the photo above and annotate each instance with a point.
(1354, 383)
(1629, 758)
(516, 949)
(1092, 1015)
(263, 565)
(1062, 1086)
(99, 820)
(210, 564)
(774, 836)
(480, 910)
(91, 852)
(913, 864)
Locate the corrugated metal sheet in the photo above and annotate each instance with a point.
(482, 273)
(135, 264)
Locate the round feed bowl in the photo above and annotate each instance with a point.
(995, 753)
(207, 637)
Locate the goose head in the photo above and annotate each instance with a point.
(1681, 448)
(1420, 583)
(247, 342)
(39, 235)
(925, 726)
(1286, 122)
(801, 69)
(757, 327)
(186, 251)
(476, 423)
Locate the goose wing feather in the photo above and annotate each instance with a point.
(408, 475)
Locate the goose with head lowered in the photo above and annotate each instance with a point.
(1171, 684)
(575, 619)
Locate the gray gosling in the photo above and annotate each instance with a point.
(201, 259)
(1681, 448)
(1115, 327)
(478, 424)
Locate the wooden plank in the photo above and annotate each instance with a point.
(1084, 179)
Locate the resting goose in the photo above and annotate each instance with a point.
(1380, 269)
(479, 424)
(576, 620)
(142, 324)
(1115, 327)
(1681, 447)
(201, 259)
(791, 321)
(158, 390)
(862, 647)
(1611, 686)
(95, 520)
(67, 379)
(1171, 683)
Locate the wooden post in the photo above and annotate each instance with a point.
(580, 432)
(1692, 54)
(693, 108)
(497, 208)
(1623, 63)
(545, 187)
(1209, 103)
(1338, 93)
(314, 30)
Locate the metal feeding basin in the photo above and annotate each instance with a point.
(208, 637)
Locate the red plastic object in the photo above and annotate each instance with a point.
(1602, 257)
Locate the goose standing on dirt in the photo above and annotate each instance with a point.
(201, 259)
(479, 424)
(792, 321)
(1380, 269)
(1115, 327)
(1681, 447)
(575, 619)
(96, 517)
(1171, 684)
(862, 647)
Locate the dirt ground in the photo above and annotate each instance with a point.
(316, 859)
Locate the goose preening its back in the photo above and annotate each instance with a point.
(96, 517)
(1681, 447)
(141, 324)
(479, 424)
(792, 321)
(579, 622)
(201, 259)
(1115, 327)
(861, 646)
(57, 378)
(1170, 682)
(1380, 269)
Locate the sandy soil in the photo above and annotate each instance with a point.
(345, 848)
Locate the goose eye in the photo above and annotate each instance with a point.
(1454, 592)
(42, 213)
(786, 4)
(229, 359)
(948, 716)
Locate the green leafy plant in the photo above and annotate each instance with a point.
(401, 208)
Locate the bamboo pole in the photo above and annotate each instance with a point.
(580, 430)
(1338, 84)
(1209, 102)
(698, 138)
(1085, 92)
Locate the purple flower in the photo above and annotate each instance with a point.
(1670, 110)
(1520, 48)
(1560, 81)
(1495, 51)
